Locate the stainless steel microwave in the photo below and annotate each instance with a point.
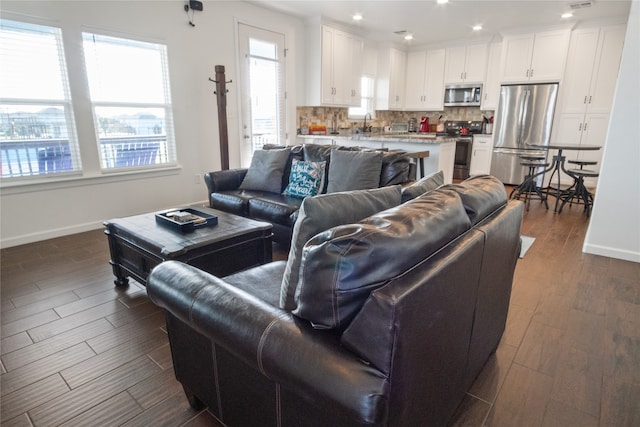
(462, 95)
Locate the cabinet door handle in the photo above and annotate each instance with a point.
(585, 127)
(580, 127)
(527, 73)
(585, 99)
(589, 99)
(531, 75)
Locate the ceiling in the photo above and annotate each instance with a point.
(430, 22)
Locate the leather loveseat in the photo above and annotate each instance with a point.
(396, 316)
(225, 190)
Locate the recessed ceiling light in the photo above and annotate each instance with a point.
(357, 17)
(443, 1)
(566, 15)
(477, 27)
(408, 37)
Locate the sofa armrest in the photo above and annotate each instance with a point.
(224, 180)
(282, 347)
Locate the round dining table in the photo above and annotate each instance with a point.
(557, 164)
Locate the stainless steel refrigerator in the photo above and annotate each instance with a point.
(524, 116)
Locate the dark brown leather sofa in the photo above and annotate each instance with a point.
(423, 293)
(281, 210)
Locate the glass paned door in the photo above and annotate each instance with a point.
(262, 68)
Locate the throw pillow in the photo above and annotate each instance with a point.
(354, 170)
(426, 184)
(343, 265)
(320, 213)
(305, 179)
(319, 153)
(265, 172)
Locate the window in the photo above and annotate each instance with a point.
(367, 102)
(129, 89)
(37, 130)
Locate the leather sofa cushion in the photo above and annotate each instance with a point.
(266, 170)
(317, 214)
(481, 195)
(395, 168)
(234, 201)
(262, 281)
(354, 170)
(342, 266)
(274, 208)
(424, 185)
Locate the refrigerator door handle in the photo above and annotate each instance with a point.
(523, 114)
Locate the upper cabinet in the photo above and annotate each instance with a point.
(424, 87)
(390, 88)
(586, 92)
(534, 57)
(465, 64)
(334, 60)
(592, 70)
(491, 88)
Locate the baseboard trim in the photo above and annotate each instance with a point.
(65, 231)
(49, 234)
(611, 252)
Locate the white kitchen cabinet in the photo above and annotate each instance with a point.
(586, 92)
(481, 154)
(424, 87)
(534, 57)
(465, 64)
(491, 88)
(391, 79)
(334, 61)
(592, 70)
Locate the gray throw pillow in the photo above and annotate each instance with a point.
(426, 184)
(325, 211)
(354, 170)
(265, 172)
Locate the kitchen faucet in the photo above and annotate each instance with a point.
(364, 125)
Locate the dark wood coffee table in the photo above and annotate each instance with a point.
(137, 244)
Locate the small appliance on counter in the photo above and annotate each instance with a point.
(413, 124)
(399, 127)
(424, 124)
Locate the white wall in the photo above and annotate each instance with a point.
(36, 212)
(614, 230)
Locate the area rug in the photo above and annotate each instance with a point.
(526, 244)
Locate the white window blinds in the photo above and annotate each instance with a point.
(37, 130)
(130, 95)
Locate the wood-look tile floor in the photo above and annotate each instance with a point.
(77, 351)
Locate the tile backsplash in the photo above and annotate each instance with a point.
(323, 116)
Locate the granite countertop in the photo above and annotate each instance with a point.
(422, 138)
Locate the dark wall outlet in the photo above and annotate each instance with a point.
(195, 5)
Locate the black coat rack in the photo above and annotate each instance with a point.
(221, 92)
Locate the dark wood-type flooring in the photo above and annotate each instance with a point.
(76, 351)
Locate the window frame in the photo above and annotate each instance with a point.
(370, 100)
(48, 150)
(170, 155)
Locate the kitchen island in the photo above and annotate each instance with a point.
(441, 148)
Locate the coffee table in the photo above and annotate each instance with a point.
(137, 244)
